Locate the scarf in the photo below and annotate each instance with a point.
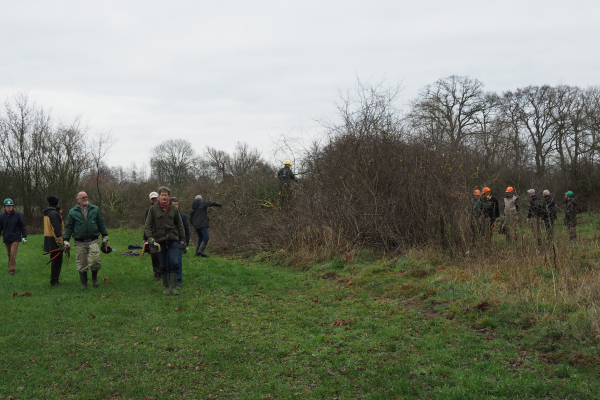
(164, 206)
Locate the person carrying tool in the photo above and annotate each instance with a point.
(164, 227)
(511, 214)
(13, 231)
(536, 215)
(85, 224)
(153, 196)
(54, 229)
(571, 215)
(550, 212)
(490, 211)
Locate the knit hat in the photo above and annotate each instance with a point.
(52, 200)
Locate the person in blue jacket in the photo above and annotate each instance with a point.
(13, 231)
(186, 227)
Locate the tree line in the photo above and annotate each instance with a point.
(378, 176)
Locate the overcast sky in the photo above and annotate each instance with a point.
(220, 72)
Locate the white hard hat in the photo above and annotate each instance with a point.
(153, 195)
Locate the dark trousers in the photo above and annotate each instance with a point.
(55, 267)
(169, 257)
(202, 235)
(155, 263)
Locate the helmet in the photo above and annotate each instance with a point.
(8, 202)
(510, 189)
(569, 195)
(486, 190)
(105, 249)
(477, 192)
(287, 163)
(546, 193)
(153, 195)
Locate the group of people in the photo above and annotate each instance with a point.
(166, 236)
(541, 213)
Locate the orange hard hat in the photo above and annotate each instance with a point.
(477, 193)
(486, 190)
(509, 189)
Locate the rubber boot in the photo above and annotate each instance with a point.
(200, 250)
(83, 279)
(173, 278)
(95, 279)
(165, 279)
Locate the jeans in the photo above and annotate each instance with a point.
(180, 273)
(169, 257)
(202, 235)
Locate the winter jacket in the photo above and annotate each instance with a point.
(511, 205)
(285, 175)
(12, 227)
(54, 228)
(186, 228)
(476, 206)
(490, 208)
(537, 208)
(199, 213)
(164, 225)
(570, 213)
(550, 207)
(82, 229)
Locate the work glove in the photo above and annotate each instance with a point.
(183, 245)
(24, 240)
(105, 239)
(151, 242)
(65, 247)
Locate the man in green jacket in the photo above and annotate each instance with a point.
(85, 224)
(164, 227)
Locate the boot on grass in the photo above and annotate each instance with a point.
(83, 279)
(201, 248)
(165, 279)
(173, 278)
(95, 279)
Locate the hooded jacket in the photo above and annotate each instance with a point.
(199, 213)
(54, 228)
(12, 226)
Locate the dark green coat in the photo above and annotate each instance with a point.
(164, 226)
(199, 213)
(84, 230)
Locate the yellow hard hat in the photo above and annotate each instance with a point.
(287, 163)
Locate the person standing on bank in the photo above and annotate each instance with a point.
(54, 229)
(165, 228)
(511, 214)
(153, 256)
(285, 177)
(85, 224)
(571, 216)
(536, 214)
(186, 227)
(199, 218)
(490, 212)
(13, 231)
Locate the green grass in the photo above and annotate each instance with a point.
(239, 329)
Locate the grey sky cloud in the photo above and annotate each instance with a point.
(222, 72)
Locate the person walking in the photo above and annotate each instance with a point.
(54, 229)
(200, 222)
(550, 213)
(85, 224)
(164, 227)
(186, 227)
(536, 214)
(13, 231)
(153, 196)
(571, 215)
(490, 211)
(511, 214)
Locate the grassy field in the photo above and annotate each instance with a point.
(413, 327)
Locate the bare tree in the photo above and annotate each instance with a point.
(99, 147)
(174, 161)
